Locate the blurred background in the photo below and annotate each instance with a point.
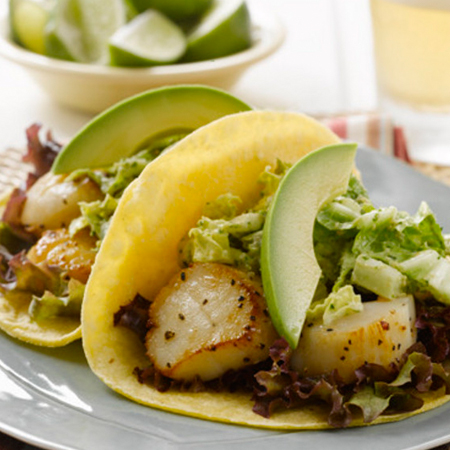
(325, 67)
(326, 63)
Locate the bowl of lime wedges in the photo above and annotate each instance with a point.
(90, 54)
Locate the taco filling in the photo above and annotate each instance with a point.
(374, 319)
(49, 236)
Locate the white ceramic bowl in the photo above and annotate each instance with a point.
(92, 88)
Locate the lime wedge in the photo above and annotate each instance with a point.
(131, 10)
(78, 30)
(223, 30)
(178, 10)
(28, 19)
(149, 39)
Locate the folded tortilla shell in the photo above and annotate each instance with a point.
(140, 251)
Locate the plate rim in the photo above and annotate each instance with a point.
(43, 402)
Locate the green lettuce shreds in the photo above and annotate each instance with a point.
(225, 207)
(112, 181)
(378, 277)
(381, 250)
(335, 306)
(225, 235)
(376, 251)
(49, 291)
(335, 231)
(96, 215)
(67, 303)
(235, 242)
(431, 272)
(396, 238)
(270, 180)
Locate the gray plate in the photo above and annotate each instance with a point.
(49, 397)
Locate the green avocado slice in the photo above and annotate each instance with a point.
(289, 269)
(134, 123)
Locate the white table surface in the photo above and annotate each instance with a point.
(324, 67)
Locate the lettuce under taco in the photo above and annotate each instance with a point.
(52, 225)
(175, 317)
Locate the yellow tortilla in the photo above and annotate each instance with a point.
(140, 251)
(15, 320)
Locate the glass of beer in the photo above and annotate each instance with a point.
(412, 60)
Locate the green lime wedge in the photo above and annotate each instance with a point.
(178, 10)
(149, 39)
(78, 30)
(28, 19)
(131, 10)
(223, 30)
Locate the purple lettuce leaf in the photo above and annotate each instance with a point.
(134, 316)
(12, 218)
(433, 324)
(378, 390)
(40, 154)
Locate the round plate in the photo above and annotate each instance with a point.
(51, 399)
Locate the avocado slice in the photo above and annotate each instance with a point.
(134, 123)
(289, 269)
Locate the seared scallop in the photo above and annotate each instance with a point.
(379, 334)
(73, 255)
(209, 319)
(53, 201)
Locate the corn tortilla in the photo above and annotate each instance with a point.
(140, 252)
(15, 320)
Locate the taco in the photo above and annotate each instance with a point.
(52, 226)
(155, 320)
(43, 268)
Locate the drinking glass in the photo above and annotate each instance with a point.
(412, 61)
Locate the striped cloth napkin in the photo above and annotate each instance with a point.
(377, 131)
(372, 130)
